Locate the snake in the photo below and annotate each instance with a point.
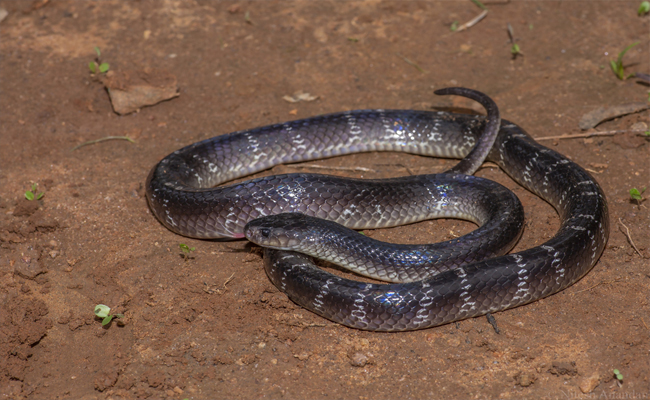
(181, 193)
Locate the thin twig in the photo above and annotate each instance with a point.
(646, 326)
(598, 284)
(210, 290)
(473, 22)
(410, 172)
(229, 280)
(511, 34)
(103, 140)
(411, 63)
(586, 135)
(488, 164)
(629, 237)
(355, 169)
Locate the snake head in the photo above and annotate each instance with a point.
(281, 231)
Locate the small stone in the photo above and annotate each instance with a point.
(3, 15)
(563, 368)
(28, 266)
(587, 385)
(525, 379)
(131, 90)
(358, 359)
(302, 356)
(105, 380)
(246, 359)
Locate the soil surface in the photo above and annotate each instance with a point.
(212, 325)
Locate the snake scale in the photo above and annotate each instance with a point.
(181, 193)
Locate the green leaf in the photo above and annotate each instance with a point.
(515, 49)
(622, 53)
(636, 194)
(454, 26)
(40, 195)
(479, 4)
(185, 248)
(103, 68)
(615, 69)
(644, 8)
(99, 53)
(102, 311)
(107, 320)
(29, 195)
(93, 67)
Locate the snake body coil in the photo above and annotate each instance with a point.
(179, 194)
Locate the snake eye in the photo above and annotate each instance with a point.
(265, 232)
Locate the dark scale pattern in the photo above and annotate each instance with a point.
(494, 208)
(481, 287)
(175, 189)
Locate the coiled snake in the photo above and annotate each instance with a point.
(181, 194)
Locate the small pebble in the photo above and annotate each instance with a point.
(525, 379)
(587, 385)
(358, 359)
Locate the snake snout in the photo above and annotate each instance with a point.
(263, 235)
(275, 231)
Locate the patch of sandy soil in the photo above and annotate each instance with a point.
(91, 239)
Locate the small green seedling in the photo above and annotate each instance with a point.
(454, 26)
(186, 250)
(104, 312)
(636, 195)
(247, 18)
(515, 50)
(644, 8)
(97, 65)
(617, 66)
(479, 4)
(619, 376)
(31, 194)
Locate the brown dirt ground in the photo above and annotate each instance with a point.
(91, 239)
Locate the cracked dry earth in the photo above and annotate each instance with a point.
(212, 325)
